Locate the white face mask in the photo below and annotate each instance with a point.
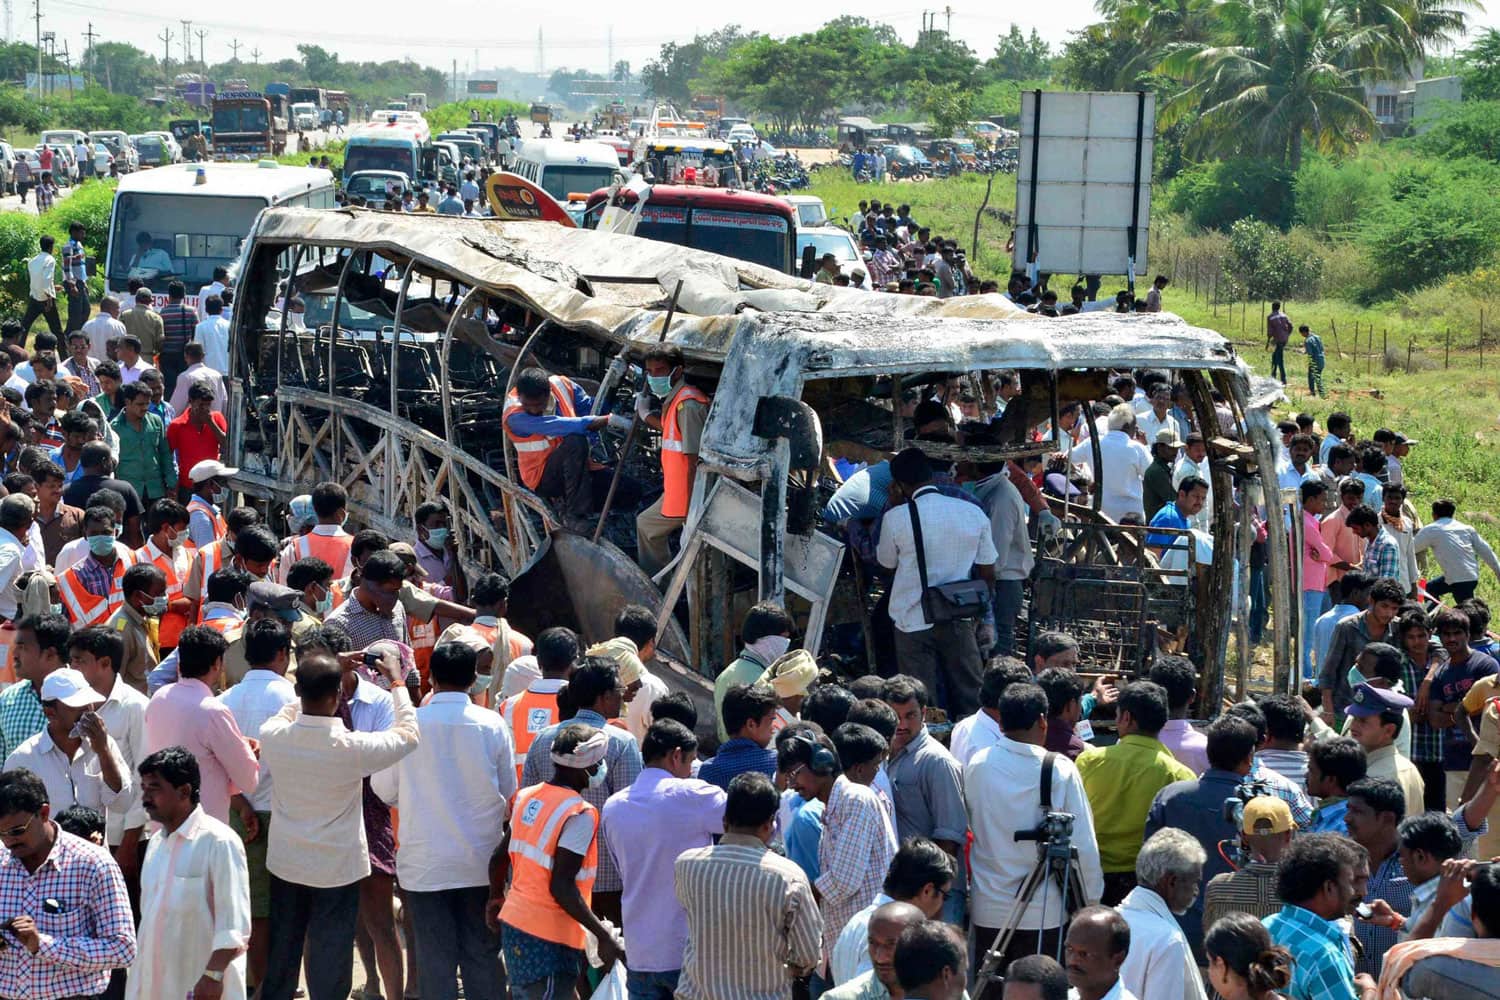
(770, 648)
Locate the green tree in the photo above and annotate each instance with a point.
(1470, 129)
(19, 111)
(123, 69)
(1020, 57)
(1098, 57)
(670, 75)
(1441, 219)
(321, 65)
(1480, 67)
(948, 106)
(1280, 74)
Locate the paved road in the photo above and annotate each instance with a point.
(12, 203)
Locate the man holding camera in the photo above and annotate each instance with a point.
(1001, 788)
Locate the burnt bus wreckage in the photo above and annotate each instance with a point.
(417, 326)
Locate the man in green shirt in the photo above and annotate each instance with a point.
(766, 633)
(1157, 488)
(145, 458)
(1122, 780)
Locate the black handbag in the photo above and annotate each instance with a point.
(961, 600)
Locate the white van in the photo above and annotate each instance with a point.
(69, 137)
(562, 167)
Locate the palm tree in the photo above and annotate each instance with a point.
(1280, 74)
(1156, 25)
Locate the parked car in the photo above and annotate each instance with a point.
(152, 151)
(7, 168)
(742, 133)
(173, 146)
(117, 144)
(373, 184)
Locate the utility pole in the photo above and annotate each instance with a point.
(49, 39)
(187, 42)
(255, 56)
(949, 12)
(88, 48)
(203, 62)
(540, 58)
(69, 64)
(38, 48)
(455, 79)
(166, 54)
(234, 47)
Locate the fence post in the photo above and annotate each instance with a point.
(1447, 345)
(1408, 355)
(1385, 345)
(1333, 325)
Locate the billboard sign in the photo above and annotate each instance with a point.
(484, 86)
(1083, 185)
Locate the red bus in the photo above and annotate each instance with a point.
(740, 224)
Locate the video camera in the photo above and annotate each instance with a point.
(1234, 806)
(1055, 827)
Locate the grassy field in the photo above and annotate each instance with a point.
(1449, 401)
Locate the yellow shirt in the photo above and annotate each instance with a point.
(1121, 781)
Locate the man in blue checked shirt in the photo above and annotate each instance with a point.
(1382, 554)
(1316, 879)
(75, 277)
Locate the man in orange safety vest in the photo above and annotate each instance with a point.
(548, 421)
(684, 408)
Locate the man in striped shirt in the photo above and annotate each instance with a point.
(753, 925)
(179, 322)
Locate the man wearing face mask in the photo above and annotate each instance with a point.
(684, 409)
(209, 559)
(437, 549)
(313, 579)
(373, 611)
(144, 590)
(767, 635)
(210, 493)
(91, 589)
(551, 898)
(167, 549)
(547, 421)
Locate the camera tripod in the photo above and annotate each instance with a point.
(1057, 861)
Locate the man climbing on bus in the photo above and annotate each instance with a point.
(547, 420)
(684, 409)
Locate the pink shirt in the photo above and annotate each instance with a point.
(1346, 545)
(1316, 554)
(1187, 744)
(187, 714)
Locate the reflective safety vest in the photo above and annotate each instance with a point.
(536, 824)
(230, 628)
(209, 560)
(85, 608)
(173, 622)
(676, 477)
(204, 507)
(527, 714)
(533, 450)
(421, 637)
(332, 549)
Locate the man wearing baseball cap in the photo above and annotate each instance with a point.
(1375, 716)
(210, 495)
(86, 769)
(1267, 826)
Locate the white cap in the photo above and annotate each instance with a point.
(210, 468)
(71, 688)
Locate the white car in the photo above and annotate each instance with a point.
(831, 239)
(118, 147)
(7, 168)
(742, 133)
(811, 213)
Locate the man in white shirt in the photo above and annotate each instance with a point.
(636, 625)
(1168, 872)
(981, 730)
(17, 512)
(215, 287)
(213, 333)
(1458, 548)
(1158, 414)
(258, 697)
(1125, 463)
(958, 545)
(197, 371)
(86, 769)
(1097, 942)
(453, 792)
(41, 276)
(1003, 787)
(317, 853)
(104, 327)
(195, 892)
(97, 653)
(1194, 462)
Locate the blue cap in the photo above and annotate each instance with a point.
(1373, 700)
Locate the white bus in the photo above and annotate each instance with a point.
(178, 223)
(562, 167)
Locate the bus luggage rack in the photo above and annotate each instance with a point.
(1100, 585)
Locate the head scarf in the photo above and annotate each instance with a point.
(623, 653)
(518, 676)
(37, 598)
(586, 754)
(792, 674)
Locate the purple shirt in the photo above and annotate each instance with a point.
(1186, 744)
(646, 826)
(187, 714)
